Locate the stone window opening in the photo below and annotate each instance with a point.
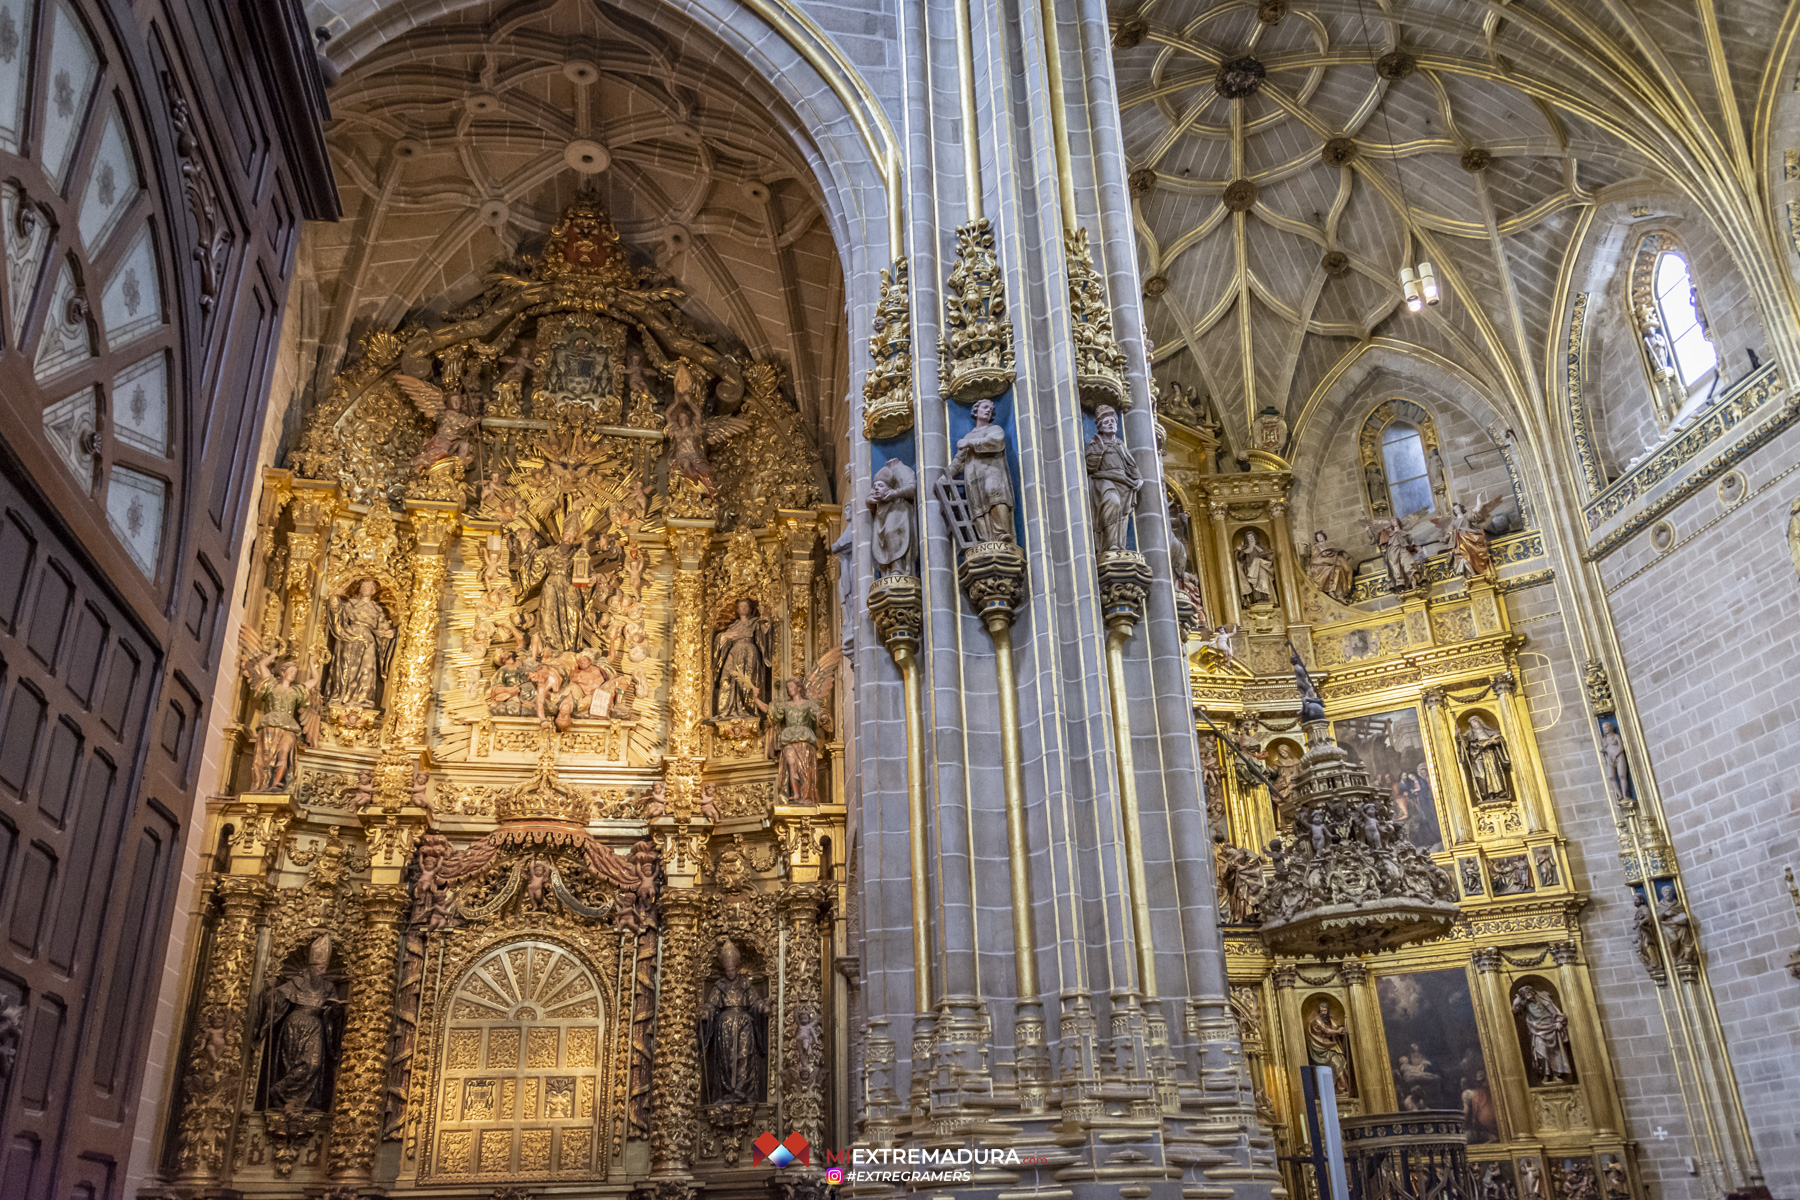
(1403, 454)
(1680, 359)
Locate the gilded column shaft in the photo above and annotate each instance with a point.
(1524, 772)
(417, 660)
(1228, 593)
(1510, 1096)
(215, 1069)
(687, 692)
(1578, 996)
(360, 1101)
(1438, 738)
(675, 1084)
(803, 1053)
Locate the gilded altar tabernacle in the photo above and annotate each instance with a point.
(539, 793)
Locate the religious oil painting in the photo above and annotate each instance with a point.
(1434, 1049)
(1391, 747)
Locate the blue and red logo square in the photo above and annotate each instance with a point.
(780, 1153)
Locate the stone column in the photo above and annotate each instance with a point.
(1290, 1026)
(1510, 1097)
(1518, 745)
(802, 1006)
(416, 661)
(675, 1085)
(800, 528)
(1440, 742)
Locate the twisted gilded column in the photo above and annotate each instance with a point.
(675, 1085)
(361, 1099)
(803, 1058)
(213, 1081)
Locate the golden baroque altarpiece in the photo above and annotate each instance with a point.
(536, 830)
(1424, 686)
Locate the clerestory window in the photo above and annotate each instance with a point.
(1403, 454)
(1678, 309)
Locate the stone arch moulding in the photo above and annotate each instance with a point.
(840, 124)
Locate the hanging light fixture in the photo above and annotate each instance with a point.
(1410, 288)
(1428, 283)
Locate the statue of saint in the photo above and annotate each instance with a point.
(1678, 930)
(1113, 482)
(891, 495)
(1256, 570)
(740, 664)
(1618, 767)
(987, 484)
(1643, 934)
(1548, 1030)
(794, 727)
(734, 1035)
(1328, 1045)
(288, 714)
(1312, 705)
(361, 639)
(1656, 342)
(1398, 552)
(303, 1021)
(561, 606)
(1330, 568)
(1484, 756)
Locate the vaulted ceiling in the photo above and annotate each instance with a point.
(1290, 156)
(458, 139)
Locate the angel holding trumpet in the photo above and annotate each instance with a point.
(289, 712)
(794, 728)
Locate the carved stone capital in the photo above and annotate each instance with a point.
(896, 606)
(993, 577)
(1124, 584)
(1285, 976)
(689, 541)
(1434, 697)
(1505, 683)
(259, 822)
(1353, 972)
(1565, 954)
(1486, 959)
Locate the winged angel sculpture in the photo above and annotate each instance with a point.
(689, 432)
(794, 728)
(1466, 531)
(289, 712)
(457, 414)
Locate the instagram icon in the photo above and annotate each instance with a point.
(834, 1175)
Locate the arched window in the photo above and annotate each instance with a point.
(1679, 310)
(1403, 454)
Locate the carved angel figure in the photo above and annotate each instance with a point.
(741, 664)
(457, 415)
(689, 433)
(361, 637)
(288, 712)
(794, 728)
(1467, 530)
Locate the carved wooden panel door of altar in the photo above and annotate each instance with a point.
(149, 209)
(522, 1063)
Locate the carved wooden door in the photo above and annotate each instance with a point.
(148, 214)
(521, 1068)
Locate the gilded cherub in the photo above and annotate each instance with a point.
(458, 415)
